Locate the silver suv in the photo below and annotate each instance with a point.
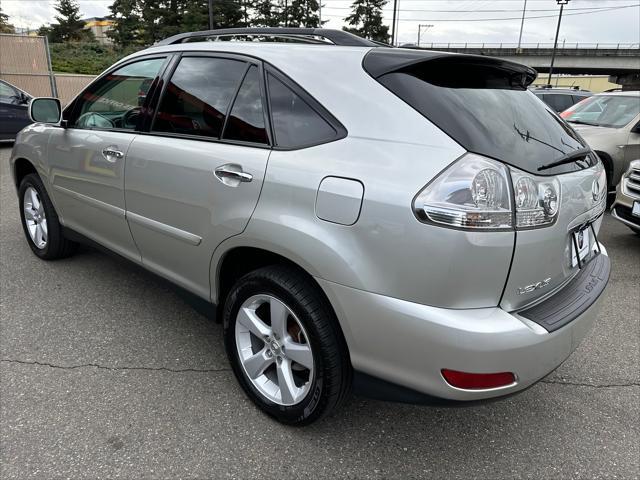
(417, 224)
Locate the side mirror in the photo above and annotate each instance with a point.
(636, 128)
(45, 110)
(24, 99)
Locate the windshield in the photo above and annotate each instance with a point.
(613, 111)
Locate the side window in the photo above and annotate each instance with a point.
(295, 123)
(115, 102)
(198, 96)
(246, 119)
(7, 94)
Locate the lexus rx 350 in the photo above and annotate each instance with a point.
(415, 223)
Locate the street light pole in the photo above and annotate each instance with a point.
(562, 3)
(524, 9)
(210, 14)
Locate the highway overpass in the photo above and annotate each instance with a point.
(595, 59)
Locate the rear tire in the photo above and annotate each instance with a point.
(40, 221)
(323, 382)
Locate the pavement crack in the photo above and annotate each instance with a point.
(104, 367)
(592, 385)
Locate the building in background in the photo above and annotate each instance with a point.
(99, 26)
(593, 83)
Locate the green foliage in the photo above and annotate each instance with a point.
(86, 58)
(144, 22)
(128, 18)
(285, 13)
(5, 26)
(366, 20)
(303, 13)
(69, 26)
(267, 14)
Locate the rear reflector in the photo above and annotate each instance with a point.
(477, 381)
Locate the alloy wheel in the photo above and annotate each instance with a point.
(274, 350)
(35, 218)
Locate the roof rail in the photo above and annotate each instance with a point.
(307, 35)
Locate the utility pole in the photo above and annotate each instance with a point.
(562, 3)
(210, 14)
(425, 25)
(524, 9)
(393, 23)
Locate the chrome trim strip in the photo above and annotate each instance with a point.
(160, 227)
(113, 210)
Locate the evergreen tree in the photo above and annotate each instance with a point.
(366, 20)
(268, 14)
(128, 24)
(303, 13)
(226, 14)
(69, 26)
(5, 26)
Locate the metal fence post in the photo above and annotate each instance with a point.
(52, 77)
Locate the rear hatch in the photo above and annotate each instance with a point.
(483, 104)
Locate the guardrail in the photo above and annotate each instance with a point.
(561, 46)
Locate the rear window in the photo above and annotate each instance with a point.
(558, 101)
(486, 107)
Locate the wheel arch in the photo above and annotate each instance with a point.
(240, 260)
(21, 168)
(608, 166)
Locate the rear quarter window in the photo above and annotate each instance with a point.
(298, 120)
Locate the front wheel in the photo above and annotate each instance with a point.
(285, 346)
(40, 221)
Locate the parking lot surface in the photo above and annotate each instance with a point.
(106, 370)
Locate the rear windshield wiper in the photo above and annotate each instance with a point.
(574, 156)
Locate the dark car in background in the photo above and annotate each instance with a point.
(561, 98)
(14, 110)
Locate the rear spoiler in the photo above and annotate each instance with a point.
(449, 69)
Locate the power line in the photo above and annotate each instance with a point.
(486, 11)
(607, 9)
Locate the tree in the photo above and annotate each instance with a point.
(267, 14)
(303, 13)
(128, 24)
(69, 26)
(226, 14)
(5, 26)
(366, 20)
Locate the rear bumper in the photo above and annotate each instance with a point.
(408, 344)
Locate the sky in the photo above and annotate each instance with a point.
(452, 21)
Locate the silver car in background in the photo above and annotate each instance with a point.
(626, 207)
(610, 124)
(417, 224)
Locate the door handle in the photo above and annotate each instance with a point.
(231, 174)
(111, 154)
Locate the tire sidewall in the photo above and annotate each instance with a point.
(313, 404)
(52, 227)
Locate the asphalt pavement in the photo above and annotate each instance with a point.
(108, 371)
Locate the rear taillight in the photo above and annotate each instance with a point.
(478, 381)
(536, 199)
(478, 193)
